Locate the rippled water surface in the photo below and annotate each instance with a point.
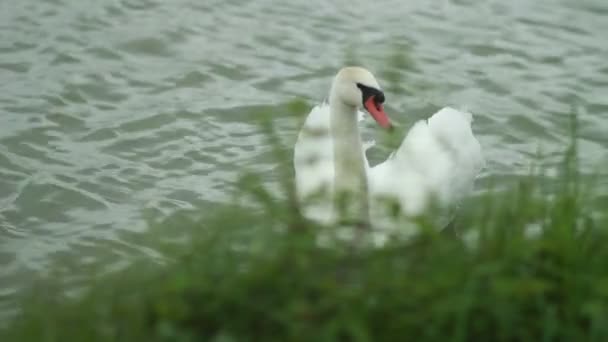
(113, 110)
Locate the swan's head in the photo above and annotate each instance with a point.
(357, 87)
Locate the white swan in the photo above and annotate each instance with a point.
(435, 165)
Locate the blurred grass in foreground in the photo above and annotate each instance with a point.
(532, 266)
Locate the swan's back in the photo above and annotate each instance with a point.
(453, 130)
(438, 160)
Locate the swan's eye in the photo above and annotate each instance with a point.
(368, 92)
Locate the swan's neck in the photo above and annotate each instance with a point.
(350, 175)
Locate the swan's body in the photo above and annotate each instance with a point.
(435, 165)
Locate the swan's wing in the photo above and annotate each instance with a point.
(314, 164)
(452, 128)
(413, 174)
(438, 160)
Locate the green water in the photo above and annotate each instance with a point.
(116, 111)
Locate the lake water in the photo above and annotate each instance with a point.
(113, 111)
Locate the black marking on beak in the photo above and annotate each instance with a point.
(368, 92)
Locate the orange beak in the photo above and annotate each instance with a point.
(377, 112)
